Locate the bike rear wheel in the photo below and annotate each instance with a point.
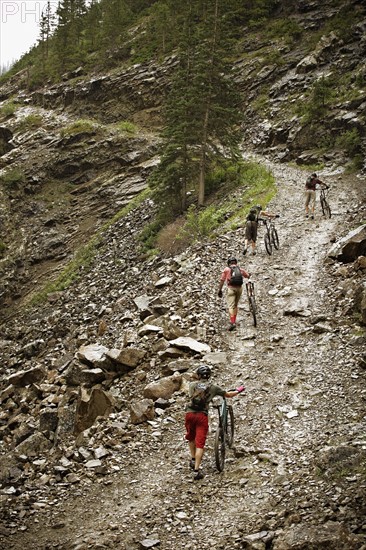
(274, 236)
(220, 448)
(253, 309)
(230, 427)
(267, 243)
(322, 205)
(327, 210)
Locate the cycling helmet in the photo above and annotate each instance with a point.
(314, 175)
(232, 261)
(203, 371)
(258, 207)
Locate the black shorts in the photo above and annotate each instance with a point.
(251, 231)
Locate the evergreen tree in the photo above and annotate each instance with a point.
(201, 112)
(68, 35)
(46, 27)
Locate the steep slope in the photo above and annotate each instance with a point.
(295, 478)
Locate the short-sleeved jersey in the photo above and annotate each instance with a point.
(214, 390)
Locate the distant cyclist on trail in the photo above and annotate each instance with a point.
(251, 226)
(201, 393)
(234, 276)
(310, 193)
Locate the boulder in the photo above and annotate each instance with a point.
(350, 247)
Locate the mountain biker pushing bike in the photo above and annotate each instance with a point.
(233, 276)
(196, 419)
(310, 193)
(251, 226)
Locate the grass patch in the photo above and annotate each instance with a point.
(12, 178)
(81, 126)
(126, 127)
(30, 122)
(8, 109)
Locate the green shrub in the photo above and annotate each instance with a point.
(350, 141)
(12, 178)
(30, 122)
(126, 127)
(200, 223)
(81, 126)
(8, 109)
(287, 30)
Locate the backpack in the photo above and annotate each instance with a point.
(253, 215)
(309, 183)
(200, 395)
(236, 278)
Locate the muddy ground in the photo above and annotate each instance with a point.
(305, 396)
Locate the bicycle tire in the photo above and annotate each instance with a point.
(220, 449)
(267, 244)
(275, 240)
(328, 212)
(253, 309)
(230, 426)
(322, 201)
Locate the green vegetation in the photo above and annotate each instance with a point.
(351, 142)
(12, 178)
(230, 205)
(82, 126)
(30, 122)
(126, 127)
(8, 109)
(287, 30)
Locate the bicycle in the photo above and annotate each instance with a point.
(324, 202)
(251, 299)
(271, 236)
(224, 432)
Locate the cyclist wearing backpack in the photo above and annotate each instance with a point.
(310, 193)
(201, 393)
(234, 276)
(251, 226)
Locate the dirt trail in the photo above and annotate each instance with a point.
(300, 397)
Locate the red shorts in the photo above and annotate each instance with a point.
(197, 428)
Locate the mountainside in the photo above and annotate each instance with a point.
(94, 370)
(75, 153)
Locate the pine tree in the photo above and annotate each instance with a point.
(201, 112)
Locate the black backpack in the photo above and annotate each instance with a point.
(253, 215)
(200, 395)
(236, 278)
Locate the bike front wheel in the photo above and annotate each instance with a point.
(267, 243)
(220, 448)
(230, 427)
(274, 236)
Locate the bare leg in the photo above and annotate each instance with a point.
(199, 455)
(192, 448)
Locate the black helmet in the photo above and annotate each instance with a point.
(258, 207)
(232, 260)
(203, 371)
(314, 175)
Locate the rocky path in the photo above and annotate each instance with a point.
(304, 405)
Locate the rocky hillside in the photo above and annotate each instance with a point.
(73, 154)
(93, 379)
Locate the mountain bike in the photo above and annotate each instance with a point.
(251, 299)
(271, 236)
(324, 202)
(224, 432)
